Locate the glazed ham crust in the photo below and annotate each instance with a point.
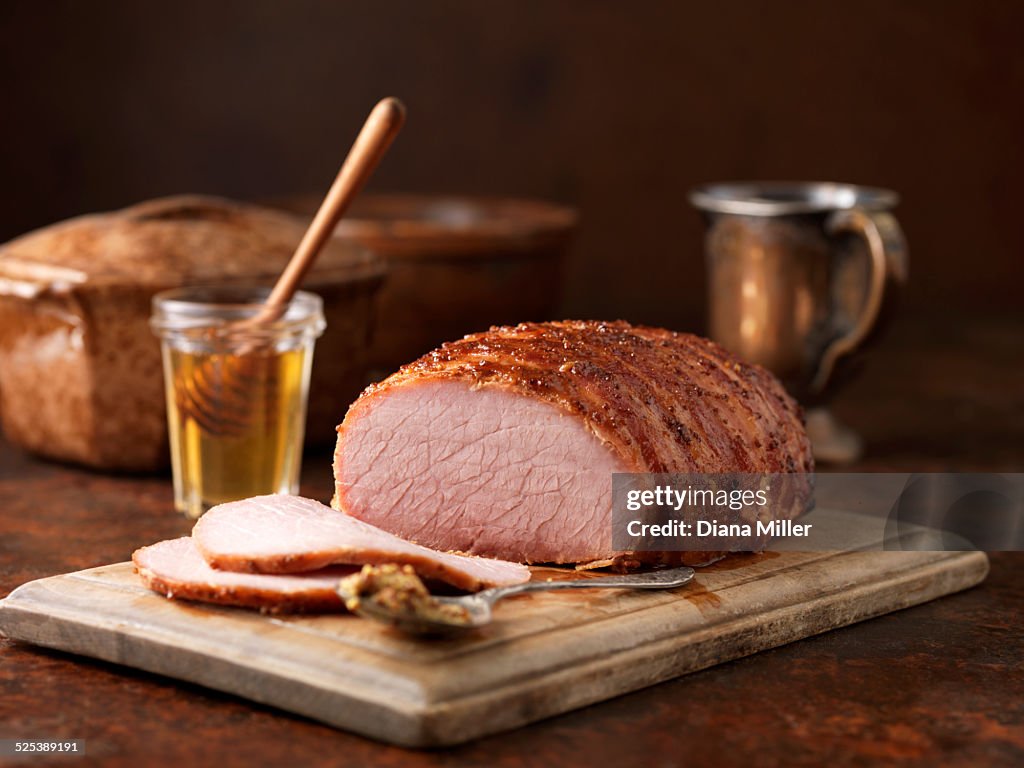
(655, 400)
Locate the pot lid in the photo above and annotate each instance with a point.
(174, 241)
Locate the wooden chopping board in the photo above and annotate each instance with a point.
(544, 655)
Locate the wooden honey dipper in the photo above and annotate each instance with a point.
(219, 395)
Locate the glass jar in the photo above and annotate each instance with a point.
(236, 391)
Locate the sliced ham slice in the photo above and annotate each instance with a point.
(290, 534)
(176, 569)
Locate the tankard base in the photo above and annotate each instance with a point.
(832, 441)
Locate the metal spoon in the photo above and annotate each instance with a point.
(476, 608)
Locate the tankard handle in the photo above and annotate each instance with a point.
(887, 254)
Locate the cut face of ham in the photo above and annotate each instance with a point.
(176, 569)
(486, 469)
(290, 534)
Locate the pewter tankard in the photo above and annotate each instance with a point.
(800, 277)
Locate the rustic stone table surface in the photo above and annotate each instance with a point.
(936, 684)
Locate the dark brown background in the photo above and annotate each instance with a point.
(618, 107)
